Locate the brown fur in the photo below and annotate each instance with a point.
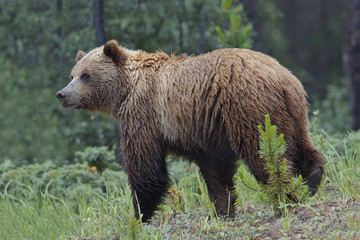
(205, 107)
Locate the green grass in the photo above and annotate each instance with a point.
(45, 213)
(40, 216)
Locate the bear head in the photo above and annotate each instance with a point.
(96, 79)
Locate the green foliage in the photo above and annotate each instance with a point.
(99, 157)
(334, 110)
(101, 207)
(38, 216)
(88, 205)
(246, 188)
(237, 35)
(272, 147)
(282, 190)
(151, 26)
(226, 5)
(271, 34)
(77, 178)
(39, 41)
(342, 160)
(85, 212)
(22, 114)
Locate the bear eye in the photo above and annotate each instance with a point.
(71, 77)
(85, 77)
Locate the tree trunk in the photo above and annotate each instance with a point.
(98, 22)
(57, 44)
(202, 31)
(351, 58)
(100, 40)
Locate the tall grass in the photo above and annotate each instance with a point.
(39, 216)
(187, 213)
(343, 164)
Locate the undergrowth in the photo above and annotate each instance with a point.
(282, 189)
(75, 202)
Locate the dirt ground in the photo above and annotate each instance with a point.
(323, 219)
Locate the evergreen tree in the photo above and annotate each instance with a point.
(282, 189)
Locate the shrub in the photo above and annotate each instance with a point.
(66, 181)
(98, 157)
(334, 110)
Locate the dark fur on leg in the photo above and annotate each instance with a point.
(220, 184)
(313, 180)
(148, 194)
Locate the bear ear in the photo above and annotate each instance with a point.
(112, 50)
(80, 54)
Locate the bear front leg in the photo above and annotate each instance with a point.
(148, 189)
(147, 174)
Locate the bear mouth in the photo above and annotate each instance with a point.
(70, 106)
(73, 106)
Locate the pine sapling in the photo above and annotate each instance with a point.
(282, 189)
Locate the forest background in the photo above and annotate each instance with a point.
(64, 167)
(39, 40)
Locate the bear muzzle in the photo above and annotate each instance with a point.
(69, 97)
(61, 95)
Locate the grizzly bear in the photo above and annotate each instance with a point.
(206, 108)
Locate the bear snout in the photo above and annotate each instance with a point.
(61, 95)
(68, 99)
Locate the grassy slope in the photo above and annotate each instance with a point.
(188, 214)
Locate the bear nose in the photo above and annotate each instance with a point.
(60, 94)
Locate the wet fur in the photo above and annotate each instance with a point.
(205, 107)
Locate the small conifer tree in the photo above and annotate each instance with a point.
(282, 188)
(238, 34)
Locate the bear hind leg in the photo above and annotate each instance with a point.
(314, 179)
(311, 165)
(220, 185)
